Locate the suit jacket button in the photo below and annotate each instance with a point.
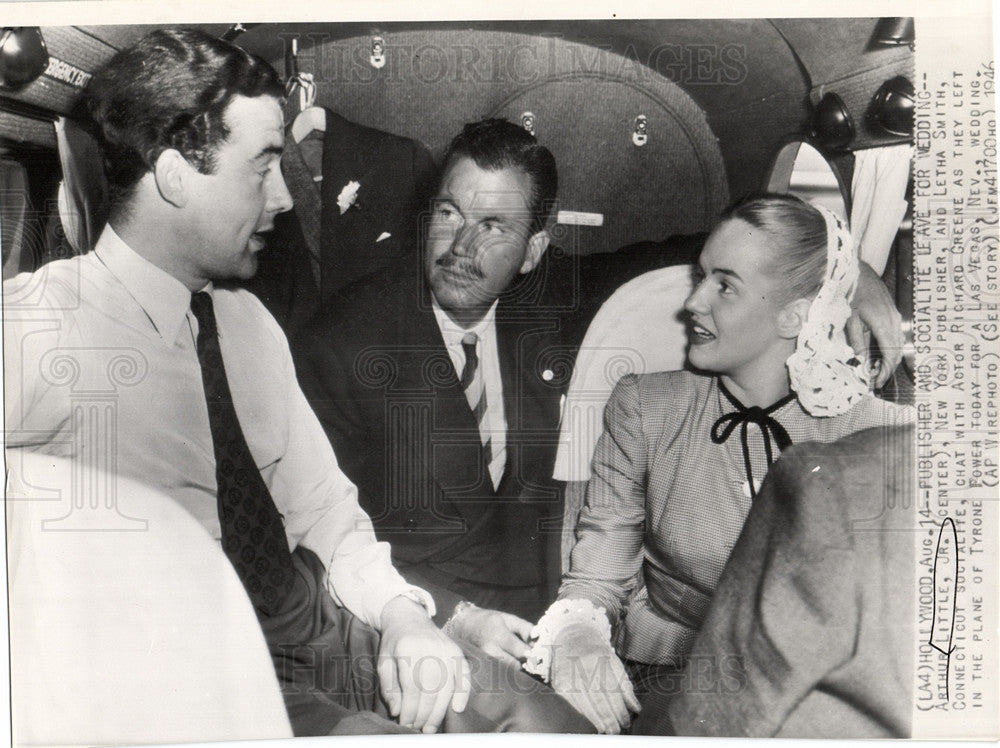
(410, 524)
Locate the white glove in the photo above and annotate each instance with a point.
(587, 673)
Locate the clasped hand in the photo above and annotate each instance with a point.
(585, 670)
(421, 671)
(499, 635)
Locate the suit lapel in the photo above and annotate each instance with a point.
(454, 457)
(528, 350)
(530, 405)
(510, 381)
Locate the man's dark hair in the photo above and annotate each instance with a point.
(170, 90)
(495, 144)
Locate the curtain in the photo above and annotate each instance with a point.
(878, 192)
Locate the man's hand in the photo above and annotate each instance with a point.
(499, 635)
(873, 306)
(421, 671)
(586, 672)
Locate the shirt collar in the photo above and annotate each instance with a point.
(453, 333)
(163, 298)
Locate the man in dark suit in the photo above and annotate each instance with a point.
(464, 494)
(810, 633)
(439, 389)
(357, 192)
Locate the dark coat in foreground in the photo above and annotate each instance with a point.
(810, 633)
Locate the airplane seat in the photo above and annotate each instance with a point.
(638, 329)
(13, 208)
(83, 192)
(128, 624)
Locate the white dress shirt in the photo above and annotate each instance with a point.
(489, 365)
(101, 365)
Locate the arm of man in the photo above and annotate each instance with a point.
(38, 321)
(421, 671)
(324, 366)
(320, 508)
(609, 553)
(874, 307)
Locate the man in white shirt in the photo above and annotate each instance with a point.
(112, 357)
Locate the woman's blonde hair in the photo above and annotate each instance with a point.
(798, 234)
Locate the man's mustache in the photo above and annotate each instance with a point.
(450, 262)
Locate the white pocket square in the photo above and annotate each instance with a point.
(383, 235)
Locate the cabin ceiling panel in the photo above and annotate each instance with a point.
(832, 49)
(120, 37)
(721, 63)
(768, 124)
(584, 101)
(26, 130)
(743, 73)
(70, 45)
(841, 58)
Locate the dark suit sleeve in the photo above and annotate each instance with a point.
(785, 613)
(325, 365)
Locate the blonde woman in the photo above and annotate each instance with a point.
(683, 453)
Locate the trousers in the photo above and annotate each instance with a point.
(325, 660)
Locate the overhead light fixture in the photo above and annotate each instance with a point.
(832, 125)
(893, 32)
(236, 30)
(23, 56)
(892, 106)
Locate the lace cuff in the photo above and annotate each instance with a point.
(560, 614)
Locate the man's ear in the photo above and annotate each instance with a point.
(537, 245)
(792, 317)
(170, 174)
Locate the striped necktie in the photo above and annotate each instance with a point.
(474, 385)
(253, 536)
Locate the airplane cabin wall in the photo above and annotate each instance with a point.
(584, 101)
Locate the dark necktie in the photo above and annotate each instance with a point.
(253, 536)
(474, 385)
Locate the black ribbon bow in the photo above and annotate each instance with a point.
(743, 417)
